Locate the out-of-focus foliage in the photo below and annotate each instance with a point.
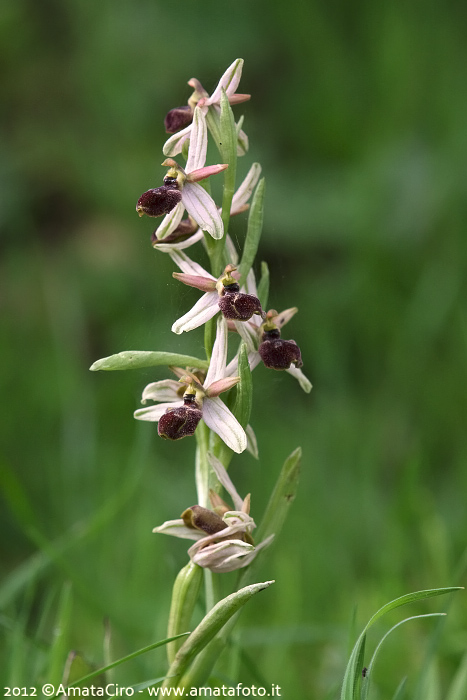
(358, 117)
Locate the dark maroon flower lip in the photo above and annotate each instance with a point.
(277, 353)
(180, 422)
(158, 201)
(177, 119)
(237, 306)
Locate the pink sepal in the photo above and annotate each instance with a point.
(203, 283)
(203, 173)
(221, 385)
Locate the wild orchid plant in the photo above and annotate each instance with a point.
(211, 397)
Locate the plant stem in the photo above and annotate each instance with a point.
(202, 467)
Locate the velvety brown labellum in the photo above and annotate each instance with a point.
(158, 201)
(238, 306)
(279, 354)
(177, 119)
(178, 423)
(203, 519)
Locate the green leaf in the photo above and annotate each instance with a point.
(184, 596)
(255, 226)
(366, 685)
(263, 286)
(355, 664)
(244, 389)
(207, 629)
(136, 359)
(228, 148)
(282, 497)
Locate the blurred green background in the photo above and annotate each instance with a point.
(358, 117)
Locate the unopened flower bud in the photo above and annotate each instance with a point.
(177, 423)
(159, 201)
(203, 519)
(237, 306)
(177, 119)
(277, 353)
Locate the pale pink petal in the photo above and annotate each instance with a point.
(247, 334)
(221, 473)
(189, 266)
(219, 353)
(243, 194)
(252, 445)
(250, 284)
(170, 222)
(198, 142)
(284, 316)
(170, 247)
(153, 413)
(217, 416)
(232, 368)
(232, 254)
(173, 146)
(165, 390)
(242, 143)
(229, 82)
(205, 308)
(202, 208)
(223, 557)
(305, 383)
(177, 528)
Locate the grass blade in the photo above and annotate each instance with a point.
(355, 664)
(133, 655)
(366, 686)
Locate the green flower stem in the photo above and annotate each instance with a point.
(202, 467)
(184, 596)
(209, 336)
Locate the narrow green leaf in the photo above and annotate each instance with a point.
(354, 666)
(184, 596)
(228, 148)
(244, 389)
(263, 286)
(207, 629)
(282, 497)
(253, 235)
(136, 359)
(133, 655)
(366, 685)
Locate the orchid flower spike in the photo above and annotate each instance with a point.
(178, 415)
(181, 188)
(223, 293)
(223, 540)
(181, 116)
